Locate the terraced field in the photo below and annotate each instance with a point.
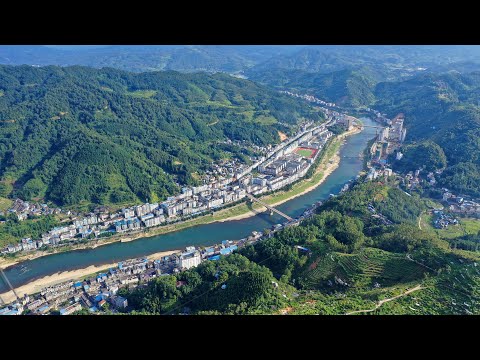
(319, 271)
(363, 270)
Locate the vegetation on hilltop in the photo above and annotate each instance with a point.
(344, 87)
(425, 155)
(80, 135)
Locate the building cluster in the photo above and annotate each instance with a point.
(95, 292)
(310, 98)
(24, 209)
(94, 225)
(339, 118)
(279, 164)
(274, 164)
(14, 309)
(442, 220)
(198, 199)
(377, 173)
(287, 166)
(461, 204)
(389, 140)
(412, 180)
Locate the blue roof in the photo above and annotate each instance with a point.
(4, 311)
(209, 250)
(43, 308)
(228, 250)
(11, 312)
(78, 284)
(100, 297)
(224, 242)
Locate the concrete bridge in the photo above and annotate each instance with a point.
(271, 208)
(373, 126)
(9, 284)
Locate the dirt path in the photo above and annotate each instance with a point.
(381, 302)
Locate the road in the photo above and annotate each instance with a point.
(381, 302)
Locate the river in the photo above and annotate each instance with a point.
(350, 165)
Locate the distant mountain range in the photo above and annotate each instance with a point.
(392, 61)
(139, 58)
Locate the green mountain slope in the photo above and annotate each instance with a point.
(345, 87)
(442, 108)
(79, 134)
(395, 61)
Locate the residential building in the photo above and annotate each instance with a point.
(190, 259)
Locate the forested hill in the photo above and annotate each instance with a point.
(79, 134)
(347, 75)
(350, 87)
(443, 109)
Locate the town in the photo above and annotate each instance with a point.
(388, 141)
(224, 185)
(99, 292)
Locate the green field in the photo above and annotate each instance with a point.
(5, 203)
(143, 93)
(466, 226)
(306, 153)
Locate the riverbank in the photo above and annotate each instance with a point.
(79, 274)
(328, 163)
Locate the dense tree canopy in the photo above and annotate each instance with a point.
(425, 155)
(78, 134)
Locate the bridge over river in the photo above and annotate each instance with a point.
(271, 208)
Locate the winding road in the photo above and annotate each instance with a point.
(381, 302)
